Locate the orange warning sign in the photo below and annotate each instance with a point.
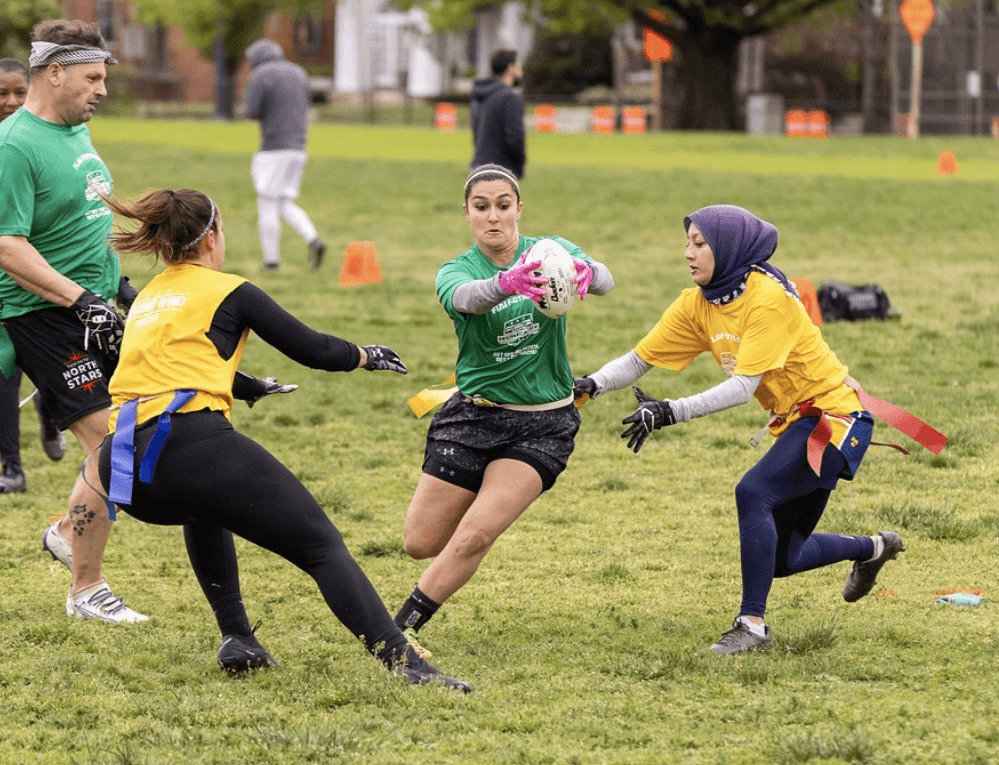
(657, 47)
(917, 16)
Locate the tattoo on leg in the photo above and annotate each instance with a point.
(80, 516)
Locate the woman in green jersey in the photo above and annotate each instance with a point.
(507, 433)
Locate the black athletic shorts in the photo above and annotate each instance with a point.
(49, 347)
(464, 438)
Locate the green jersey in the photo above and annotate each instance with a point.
(513, 353)
(51, 179)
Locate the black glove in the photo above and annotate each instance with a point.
(271, 386)
(381, 357)
(126, 294)
(651, 414)
(583, 389)
(104, 325)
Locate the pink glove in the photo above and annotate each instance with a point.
(584, 276)
(519, 280)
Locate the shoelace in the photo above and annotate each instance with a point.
(107, 600)
(733, 634)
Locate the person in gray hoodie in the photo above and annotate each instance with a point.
(497, 112)
(277, 96)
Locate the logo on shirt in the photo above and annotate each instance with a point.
(727, 361)
(97, 185)
(148, 308)
(517, 330)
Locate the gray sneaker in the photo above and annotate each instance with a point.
(317, 249)
(56, 545)
(98, 602)
(12, 481)
(53, 439)
(740, 638)
(865, 573)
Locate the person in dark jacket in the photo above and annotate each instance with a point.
(497, 112)
(277, 96)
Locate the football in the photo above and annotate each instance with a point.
(559, 268)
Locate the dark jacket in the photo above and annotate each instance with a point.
(497, 112)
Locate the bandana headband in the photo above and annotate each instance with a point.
(204, 233)
(506, 174)
(45, 53)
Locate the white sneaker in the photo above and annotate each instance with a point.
(56, 545)
(98, 602)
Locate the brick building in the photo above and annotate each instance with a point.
(160, 64)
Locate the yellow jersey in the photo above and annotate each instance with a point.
(166, 345)
(765, 332)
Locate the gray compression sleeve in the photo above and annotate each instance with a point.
(625, 370)
(620, 372)
(735, 391)
(603, 280)
(479, 296)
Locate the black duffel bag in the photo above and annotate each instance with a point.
(839, 301)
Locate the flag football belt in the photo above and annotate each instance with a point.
(480, 401)
(891, 413)
(123, 448)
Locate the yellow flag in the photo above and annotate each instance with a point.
(428, 398)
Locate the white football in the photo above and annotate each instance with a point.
(559, 268)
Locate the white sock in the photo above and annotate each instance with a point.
(760, 630)
(86, 592)
(879, 546)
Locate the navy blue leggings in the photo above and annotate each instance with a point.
(780, 501)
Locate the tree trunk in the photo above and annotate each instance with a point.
(225, 86)
(706, 72)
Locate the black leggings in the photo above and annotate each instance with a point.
(216, 483)
(10, 421)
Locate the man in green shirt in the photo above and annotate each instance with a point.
(58, 274)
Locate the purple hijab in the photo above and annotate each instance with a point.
(742, 243)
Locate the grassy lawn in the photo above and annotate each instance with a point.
(585, 632)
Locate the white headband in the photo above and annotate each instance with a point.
(492, 171)
(204, 233)
(45, 53)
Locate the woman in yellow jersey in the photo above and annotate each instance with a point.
(173, 458)
(746, 313)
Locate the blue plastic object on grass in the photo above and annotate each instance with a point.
(961, 599)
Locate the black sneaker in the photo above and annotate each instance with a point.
(865, 573)
(740, 638)
(12, 481)
(317, 250)
(241, 653)
(417, 671)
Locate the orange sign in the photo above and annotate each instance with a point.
(657, 47)
(544, 118)
(603, 119)
(917, 15)
(446, 116)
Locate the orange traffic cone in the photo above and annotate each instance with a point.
(360, 265)
(947, 164)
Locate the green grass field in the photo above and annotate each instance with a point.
(585, 632)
